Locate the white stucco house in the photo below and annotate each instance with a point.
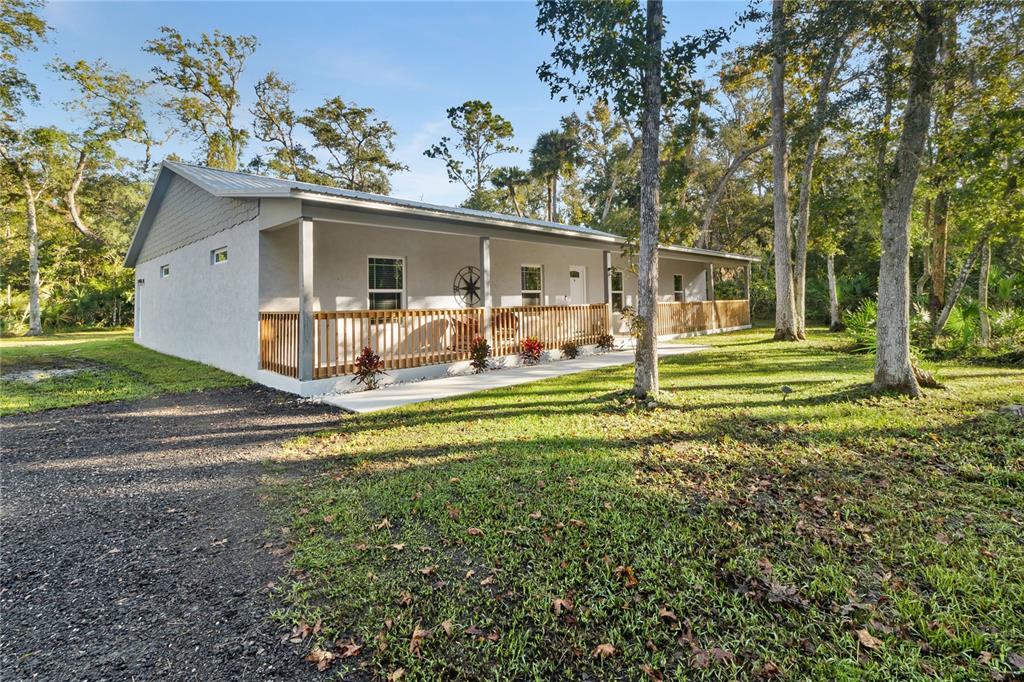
(285, 282)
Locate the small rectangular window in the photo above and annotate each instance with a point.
(218, 256)
(165, 271)
(532, 284)
(386, 283)
(678, 289)
(617, 298)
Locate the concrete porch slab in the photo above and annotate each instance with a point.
(397, 395)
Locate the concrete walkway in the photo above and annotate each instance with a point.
(448, 387)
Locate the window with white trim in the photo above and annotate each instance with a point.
(678, 289)
(386, 282)
(218, 256)
(532, 284)
(165, 271)
(617, 298)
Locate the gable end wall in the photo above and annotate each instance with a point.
(188, 214)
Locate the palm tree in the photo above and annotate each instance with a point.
(553, 151)
(509, 178)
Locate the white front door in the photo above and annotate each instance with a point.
(577, 285)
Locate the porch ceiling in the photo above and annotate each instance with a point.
(389, 217)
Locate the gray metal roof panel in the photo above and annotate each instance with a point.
(234, 184)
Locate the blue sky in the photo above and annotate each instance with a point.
(408, 60)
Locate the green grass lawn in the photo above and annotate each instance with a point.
(112, 367)
(554, 531)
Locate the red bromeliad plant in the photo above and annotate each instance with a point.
(369, 369)
(530, 350)
(570, 350)
(479, 351)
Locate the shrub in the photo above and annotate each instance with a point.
(369, 369)
(530, 350)
(634, 322)
(479, 351)
(605, 343)
(570, 350)
(860, 325)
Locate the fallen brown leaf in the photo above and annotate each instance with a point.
(418, 635)
(323, 659)
(559, 604)
(651, 672)
(627, 575)
(396, 675)
(474, 531)
(535, 515)
(348, 649)
(429, 570)
(447, 626)
(865, 638)
(603, 651)
(667, 615)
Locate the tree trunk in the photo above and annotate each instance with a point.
(926, 270)
(515, 200)
(986, 266)
(785, 303)
(72, 193)
(704, 238)
(550, 206)
(645, 377)
(940, 213)
(554, 197)
(806, 177)
(608, 198)
(958, 284)
(35, 325)
(835, 322)
(893, 368)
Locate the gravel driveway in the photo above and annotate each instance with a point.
(131, 543)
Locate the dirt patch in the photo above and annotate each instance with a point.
(32, 371)
(132, 539)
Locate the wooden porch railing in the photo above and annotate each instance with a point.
(402, 338)
(279, 343)
(697, 316)
(412, 338)
(553, 325)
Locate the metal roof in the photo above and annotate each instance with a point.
(243, 185)
(223, 183)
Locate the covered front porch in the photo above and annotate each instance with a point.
(418, 293)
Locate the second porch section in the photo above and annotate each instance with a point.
(328, 288)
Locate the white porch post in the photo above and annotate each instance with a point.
(750, 313)
(305, 299)
(608, 288)
(485, 284)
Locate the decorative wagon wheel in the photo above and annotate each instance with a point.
(466, 286)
